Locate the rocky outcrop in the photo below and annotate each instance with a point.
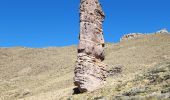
(138, 35)
(90, 72)
(131, 36)
(162, 31)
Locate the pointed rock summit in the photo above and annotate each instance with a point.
(90, 72)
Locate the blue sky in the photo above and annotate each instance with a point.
(45, 23)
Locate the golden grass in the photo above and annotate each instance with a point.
(46, 73)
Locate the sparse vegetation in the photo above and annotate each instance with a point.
(47, 73)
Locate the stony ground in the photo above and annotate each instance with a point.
(46, 73)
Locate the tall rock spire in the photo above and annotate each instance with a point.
(90, 73)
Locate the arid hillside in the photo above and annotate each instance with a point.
(47, 73)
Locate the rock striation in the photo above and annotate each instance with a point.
(90, 72)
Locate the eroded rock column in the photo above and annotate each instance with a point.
(90, 73)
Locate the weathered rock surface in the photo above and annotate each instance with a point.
(90, 72)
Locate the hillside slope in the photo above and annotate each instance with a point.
(46, 73)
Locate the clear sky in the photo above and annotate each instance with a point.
(45, 23)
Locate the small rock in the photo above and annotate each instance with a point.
(100, 98)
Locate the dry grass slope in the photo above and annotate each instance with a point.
(46, 74)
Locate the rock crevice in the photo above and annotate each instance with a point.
(90, 72)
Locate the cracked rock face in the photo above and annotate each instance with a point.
(90, 73)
